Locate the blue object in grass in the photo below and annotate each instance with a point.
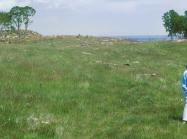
(184, 84)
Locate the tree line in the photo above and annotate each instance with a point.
(175, 24)
(16, 17)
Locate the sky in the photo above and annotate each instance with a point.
(98, 17)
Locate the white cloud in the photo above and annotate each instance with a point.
(66, 4)
(124, 6)
(7, 4)
(95, 5)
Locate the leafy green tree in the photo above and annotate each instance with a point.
(185, 24)
(179, 25)
(17, 17)
(28, 12)
(5, 21)
(14, 19)
(185, 13)
(21, 15)
(170, 22)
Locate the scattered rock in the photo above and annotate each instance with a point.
(181, 40)
(7, 36)
(35, 121)
(153, 74)
(136, 62)
(98, 61)
(140, 77)
(87, 53)
(148, 74)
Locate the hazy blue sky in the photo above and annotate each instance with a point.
(99, 17)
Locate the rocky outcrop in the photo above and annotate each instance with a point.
(10, 36)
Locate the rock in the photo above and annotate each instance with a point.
(7, 36)
(87, 53)
(153, 74)
(136, 62)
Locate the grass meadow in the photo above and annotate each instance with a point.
(91, 88)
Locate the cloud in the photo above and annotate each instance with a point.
(120, 6)
(64, 4)
(7, 4)
(125, 6)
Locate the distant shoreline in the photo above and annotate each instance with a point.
(144, 38)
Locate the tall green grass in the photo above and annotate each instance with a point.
(91, 88)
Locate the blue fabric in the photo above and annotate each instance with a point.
(184, 85)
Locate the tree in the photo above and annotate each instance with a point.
(170, 22)
(185, 24)
(13, 20)
(5, 21)
(28, 12)
(17, 17)
(175, 24)
(179, 25)
(185, 13)
(21, 15)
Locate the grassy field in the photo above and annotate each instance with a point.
(91, 88)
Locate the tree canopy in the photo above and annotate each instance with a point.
(28, 12)
(5, 21)
(175, 24)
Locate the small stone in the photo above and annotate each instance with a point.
(154, 74)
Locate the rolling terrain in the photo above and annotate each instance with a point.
(91, 88)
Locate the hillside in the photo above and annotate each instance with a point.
(86, 87)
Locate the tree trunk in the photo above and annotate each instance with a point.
(26, 27)
(171, 37)
(185, 34)
(19, 30)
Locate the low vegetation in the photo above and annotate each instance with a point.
(85, 87)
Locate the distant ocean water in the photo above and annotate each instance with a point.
(144, 38)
